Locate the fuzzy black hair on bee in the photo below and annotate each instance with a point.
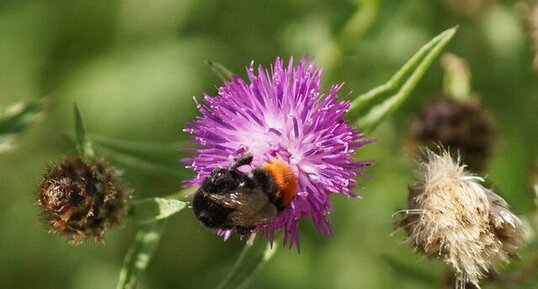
(230, 199)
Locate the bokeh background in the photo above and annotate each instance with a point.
(133, 67)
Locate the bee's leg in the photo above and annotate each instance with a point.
(246, 159)
(244, 230)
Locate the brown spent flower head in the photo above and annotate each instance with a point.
(81, 198)
(463, 126)
(452, 216)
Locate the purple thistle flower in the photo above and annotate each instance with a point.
(281, 114)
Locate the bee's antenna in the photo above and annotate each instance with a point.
(246, 159)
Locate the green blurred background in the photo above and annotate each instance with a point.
(133, 67)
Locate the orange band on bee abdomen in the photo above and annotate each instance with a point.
(284, 179)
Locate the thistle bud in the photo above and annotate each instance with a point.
(81, 198)
(463, 126)
(453, 217)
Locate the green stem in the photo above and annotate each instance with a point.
(250, 261)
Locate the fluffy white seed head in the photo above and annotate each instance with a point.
(452, 216)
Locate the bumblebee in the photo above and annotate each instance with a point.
(231, 199)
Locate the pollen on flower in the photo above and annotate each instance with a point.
(80, 198)
(452, 216)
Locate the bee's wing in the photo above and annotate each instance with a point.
(244, 198)
(251, 206)
(248, 218)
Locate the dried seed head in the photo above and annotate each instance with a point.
(463, 126)
(451, 215)
(80, 198)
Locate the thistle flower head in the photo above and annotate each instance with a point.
(464, 126)
(451, 215)
(80, 198)
(281, 114)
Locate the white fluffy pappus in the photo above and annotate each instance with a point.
(452, 216)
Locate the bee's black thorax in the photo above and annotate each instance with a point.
(263, 180)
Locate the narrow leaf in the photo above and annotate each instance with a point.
(154, 209)
(403, 270)
(15, 120)
(141, 163)
(82, 142)
(140, 254)
(136, 146)
(372, 107)
(183, 194)
(252, 258)
(220, 70)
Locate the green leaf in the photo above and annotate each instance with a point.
(84, 146)
(141, 163)
(140, 254)
(407, 271)
(220, 70)
(136, 146)
(183, 194)
(154, 209)
(15, 120)
(252, 258)
(372, 107)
